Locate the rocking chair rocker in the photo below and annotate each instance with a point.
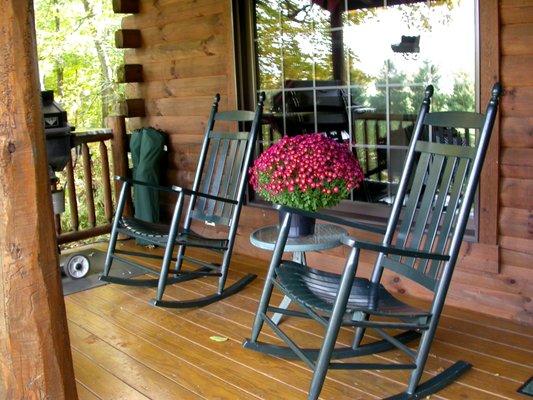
(427, 242)
(216, 199)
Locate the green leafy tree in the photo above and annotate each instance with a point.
(77, 58)
(462, 96)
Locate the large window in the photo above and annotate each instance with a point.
(357, 71)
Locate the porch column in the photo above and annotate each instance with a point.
(35, 357)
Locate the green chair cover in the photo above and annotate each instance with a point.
(147, 147)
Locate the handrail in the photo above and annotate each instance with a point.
(82, 140)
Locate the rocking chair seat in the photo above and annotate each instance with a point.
(158, 234)
(317, 289)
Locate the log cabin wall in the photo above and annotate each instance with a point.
(187, 55)
(516, 162)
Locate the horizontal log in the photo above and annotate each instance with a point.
(516, 222)
(517, 157)
(516, 39)
(68, 237)
(516, 258)
(516, 15)
(175, 126)
(190, 67)
(516, 70)
(91, 137)
(517, 101)
(180, 88)
(521, 245)
(516, 193)
(209, 45)
(128, 39)
(192, 106)
(171, 13)
(516, 132)
(478, 257)
(515, 171)
(197, 28)
(515, 3)
(126, 6)
(128, 73)
(132, 108)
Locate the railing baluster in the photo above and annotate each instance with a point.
(75, 234)
(57, 219)
(119, 148)
(72, 201)
(88, 179)
(108, 203)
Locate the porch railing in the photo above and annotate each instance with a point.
(115, 136)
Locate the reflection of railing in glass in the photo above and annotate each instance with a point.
(371, 146)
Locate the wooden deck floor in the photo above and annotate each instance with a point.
(123, 348)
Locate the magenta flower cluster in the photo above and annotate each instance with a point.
(307, 171)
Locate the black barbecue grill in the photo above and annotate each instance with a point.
(58, 133)
(60, 140)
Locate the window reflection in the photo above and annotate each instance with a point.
(357, 71)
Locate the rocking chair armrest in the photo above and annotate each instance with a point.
(332, 219)
(190, 192)
(392, 250)
(150, 185)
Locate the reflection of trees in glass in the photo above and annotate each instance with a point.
(422, 17)
(406, 93)
(294, 37)
(268, 44)
(462, 97)
(294, 34)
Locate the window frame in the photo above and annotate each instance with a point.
(485, 229)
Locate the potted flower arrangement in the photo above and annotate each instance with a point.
(307, 171)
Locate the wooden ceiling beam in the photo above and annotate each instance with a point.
(35, 356)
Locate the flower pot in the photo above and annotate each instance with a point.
(300, 225)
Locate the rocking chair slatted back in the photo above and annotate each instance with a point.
(222, 167)
(438, 204)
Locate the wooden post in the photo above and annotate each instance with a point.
(128, 39)
(132, 108)
(126, 6)
(129, 73)
(119, 149)
(88, 181)
(35, 357)
(108, 201)
(489, 191)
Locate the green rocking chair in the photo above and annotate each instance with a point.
(422, 246)
(216, 198)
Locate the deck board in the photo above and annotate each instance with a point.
(124, 348)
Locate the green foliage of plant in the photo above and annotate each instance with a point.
(310, 199)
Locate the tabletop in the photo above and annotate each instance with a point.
(326, 236)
